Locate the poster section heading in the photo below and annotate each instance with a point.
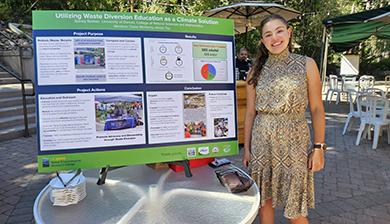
(130, 21)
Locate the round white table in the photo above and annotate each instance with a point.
(139, 194)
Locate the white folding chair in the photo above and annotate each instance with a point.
(348, 83)
(387, 84)
(374, 92)
(379, 93)
(387, 80)
(352, 112)
(333, 88)
(371, 117)
(366, 81)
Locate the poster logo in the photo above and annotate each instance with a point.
(203, 150)
(45, 162)
(191, 152)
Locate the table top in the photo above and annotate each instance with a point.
(139, 194)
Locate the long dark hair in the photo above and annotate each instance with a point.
(262, 52)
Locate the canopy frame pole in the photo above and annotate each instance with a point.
(246, 26)
(246, 36)
(324, 57)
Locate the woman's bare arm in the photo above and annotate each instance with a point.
(317, 113)
(249, 119)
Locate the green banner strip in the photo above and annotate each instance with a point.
(209, 50)
(90, 20)
(71, 161)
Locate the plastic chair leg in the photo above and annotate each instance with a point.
(369, 132)
(359, 136)
(376, 136)
(351, 123)
(388, 134)
(347, 94)
(346, 125)
(338, 97)
(327, 95)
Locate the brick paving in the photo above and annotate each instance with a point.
(355, 185)
(353, 188)
(19, 181)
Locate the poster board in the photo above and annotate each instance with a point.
(129, 88)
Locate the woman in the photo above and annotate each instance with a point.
(277, 147)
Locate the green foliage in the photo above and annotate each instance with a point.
(379, 69)
(15, 11)
(248, 40)
(20, 11)
(308, 28)
(374, 60)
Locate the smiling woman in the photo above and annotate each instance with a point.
(278, 150)
(276, 36)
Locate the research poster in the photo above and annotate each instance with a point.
(129, 88)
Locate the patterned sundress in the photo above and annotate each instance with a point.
(281, 137)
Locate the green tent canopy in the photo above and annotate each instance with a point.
(349, 30)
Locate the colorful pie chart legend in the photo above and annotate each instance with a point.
(208, 71)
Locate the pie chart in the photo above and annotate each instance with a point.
(208, 71)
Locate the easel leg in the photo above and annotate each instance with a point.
(186, 165)
(187, 169)
(103, 175)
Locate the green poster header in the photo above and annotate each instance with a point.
(91, 20)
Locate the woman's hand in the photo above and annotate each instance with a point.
(316, 160)
(246, 158)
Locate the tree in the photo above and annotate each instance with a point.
(308, 27)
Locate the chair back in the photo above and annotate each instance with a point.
(386, 110)
(366, 81)
(360, 100)
(387, 84)
(366, 104)
(352, 94)
(387, 80)
(372, 105)
(374, 92)
(349, 82)
(349, 78)
(333, 82)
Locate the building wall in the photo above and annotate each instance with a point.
(12, 60)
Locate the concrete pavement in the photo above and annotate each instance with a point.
(353, 188)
